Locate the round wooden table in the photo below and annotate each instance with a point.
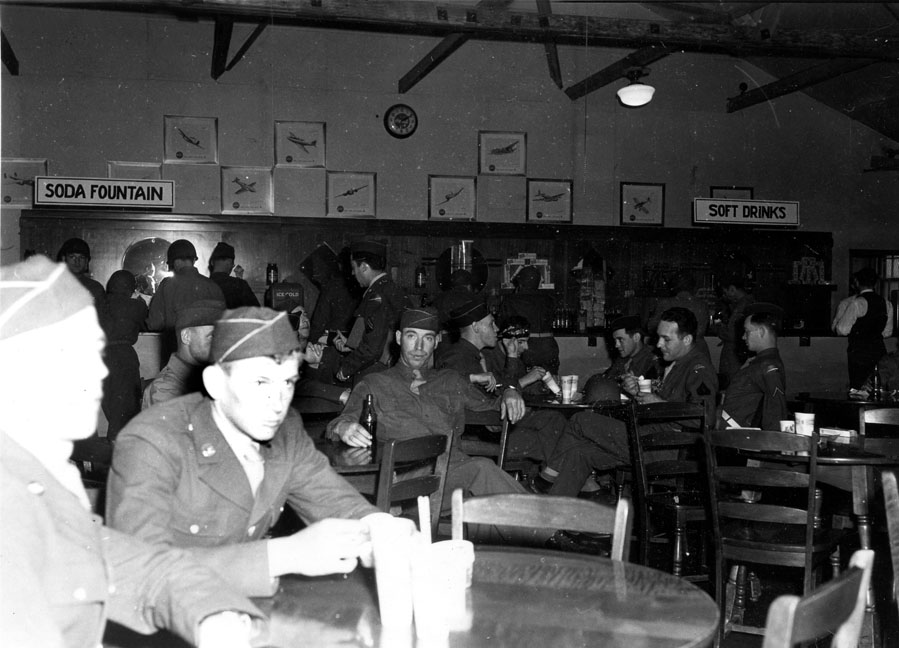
(518, 598)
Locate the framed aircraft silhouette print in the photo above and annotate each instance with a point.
(300, 144)
(642, 203)
(452, 198)
(502, 153)
(351, 194)
(246, 190)
(18, 180)
(191, 140)
(549, 201)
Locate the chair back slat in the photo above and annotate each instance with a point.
(756, 512)
(401, 456)
(758, 476)
(837, 607)
(891, 503)
(760, 440)
(546, 512)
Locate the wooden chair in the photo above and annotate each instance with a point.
(891, 503)
(837, 608)
(884, 419)
(766, 512)
(547, 512)
(668, 481)
(473, 443)
(413, 467)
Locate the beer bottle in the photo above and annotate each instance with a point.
(369, 420)
(271, 274)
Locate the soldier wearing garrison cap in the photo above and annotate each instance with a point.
(237, 291)
(367, 348)
(183, 374)
(64, 572)
(185, 286)
(213, 473)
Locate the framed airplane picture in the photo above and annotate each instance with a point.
(502, 153)
(18, 180)
(452, 198)
(246, 190)
(300, 144)
(191, 140)
(351, 194)
(642, 203)
(549, 201)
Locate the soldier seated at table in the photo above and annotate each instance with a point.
(212, 474)
(635, 357)
(535, 434)
(756, 396)
(413, 399)
(64, 572)
(592, 442)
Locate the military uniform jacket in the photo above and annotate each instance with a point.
(237, 292)
(379, 313)
(465, 359)
(756, 396)
(175, 481)
(181, 289)
(177, 378)
(643, 363)
(65, 573)
(691, 379)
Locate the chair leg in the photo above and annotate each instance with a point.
(835, 563)
(680, 545)
(735, 606)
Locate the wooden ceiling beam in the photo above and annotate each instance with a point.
(616, 70)
(549, 46)
(224, 29)
(494, 21)
(792, 83)
(8, 56)
(431, 60)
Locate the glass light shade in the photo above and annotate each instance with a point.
(636, 94)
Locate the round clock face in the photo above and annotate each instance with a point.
(400, 121)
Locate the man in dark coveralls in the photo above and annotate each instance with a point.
(756, 396)
(595, 442)
(867, 318)
(536, 433)
(237, 291)
(212, 474)
(64, 573)
(184, 287)
(367, 349)
(413, 399)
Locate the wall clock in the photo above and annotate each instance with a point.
(400, 121)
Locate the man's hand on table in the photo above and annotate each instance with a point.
(329, 546)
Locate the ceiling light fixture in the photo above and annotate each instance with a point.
(635, 93)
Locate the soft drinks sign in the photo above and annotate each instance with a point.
(757, 213)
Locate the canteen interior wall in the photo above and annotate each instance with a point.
(94, 86)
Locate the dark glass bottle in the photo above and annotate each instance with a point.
(369, 420)
(271, 274)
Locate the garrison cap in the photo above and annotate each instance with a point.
(516, 327)
(37, 293)
(474, 310)
(420, 318)
(252, 332)
(203, 312)
(377, 248)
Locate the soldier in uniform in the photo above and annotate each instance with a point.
(64, 573)
(212, 474)
(367, 349)
(237, 291)
(756, 396)
(634, 357)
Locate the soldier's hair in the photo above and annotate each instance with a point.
(771, 321)
(375, 262)
(684, 318)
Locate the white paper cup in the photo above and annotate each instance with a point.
(551, 383)
(569, 388)
(645, 385)
(393, 540)
(805, 423)
(788, 426)
(441, 575)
